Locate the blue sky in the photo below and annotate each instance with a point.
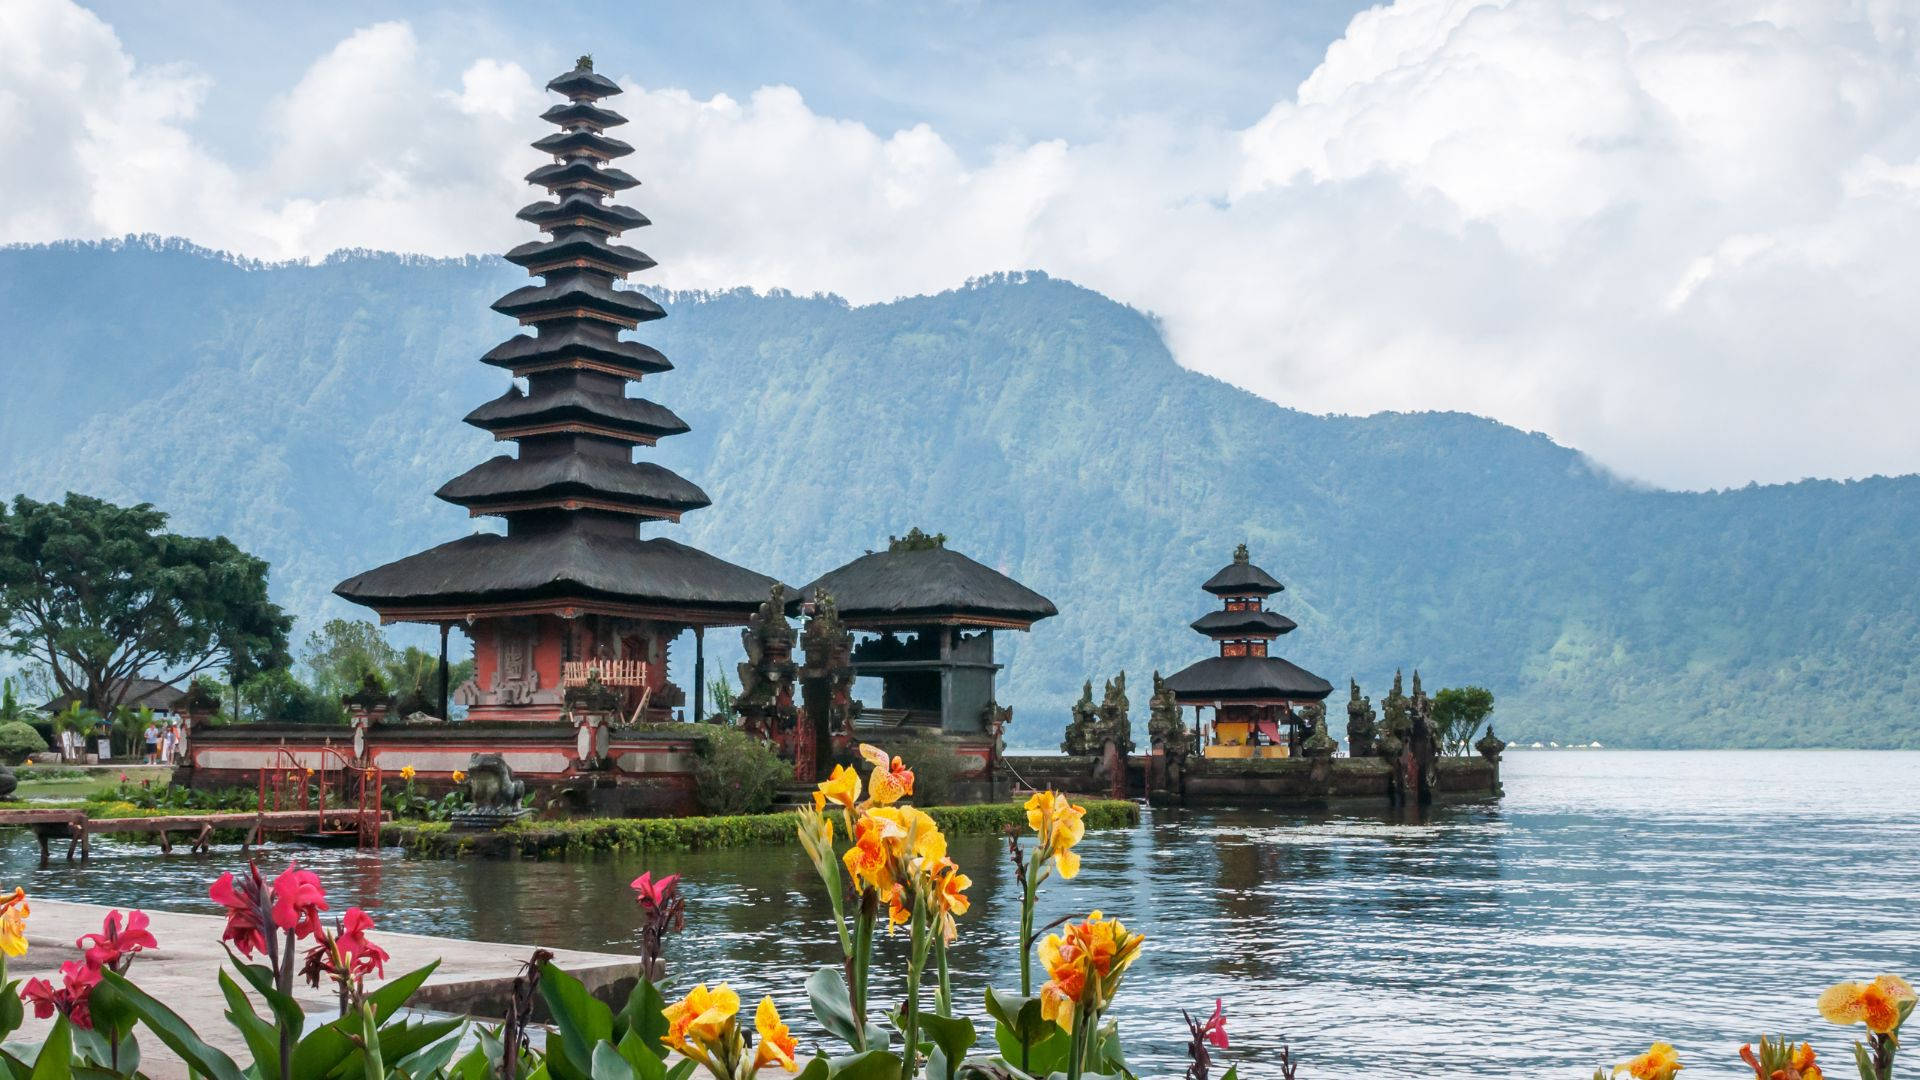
(1680, 235)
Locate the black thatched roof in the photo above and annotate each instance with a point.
(584, 84)
(579, 244)
(1244, 624)
(559, 176)
(931, 583)
(636, 416)
(558, 299)
(566, 563)
(566, 143)
(1246, 678)
(148, 693)
(580, 208)
(582, 114)
(643, 486)
(1241, 578)
(556, 344)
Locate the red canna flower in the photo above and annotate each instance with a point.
(1215, 1029)
(114, 946)
(245, 903)
(77, 981)
(298, 901)
(653, 894)
(364, 956)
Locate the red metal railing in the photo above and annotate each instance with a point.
(289, 784)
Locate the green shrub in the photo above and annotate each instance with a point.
(936, 768)
(738, 774)
(18, 739)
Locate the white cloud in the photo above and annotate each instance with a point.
(1680, 236)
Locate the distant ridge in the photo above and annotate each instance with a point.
(309, 410)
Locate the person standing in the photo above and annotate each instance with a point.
(152, 736)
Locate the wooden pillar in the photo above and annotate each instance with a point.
(699, 673)
(444, 627)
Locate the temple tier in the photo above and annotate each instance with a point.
(1252, 693)
(571, 592)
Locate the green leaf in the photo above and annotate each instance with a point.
(286, 1011)
(400, 1040)
(640, 1057)
(174, 1032)
(1234, 1073)
(432, 1059)
(375, 1067)
(395, 993)
(872, 1065)
(1022, 1017)
(827, 993)
(816, 1069)
(952, 1038)
(56, 1054)
(12, 1012)
(1045, 1055)
(1864, 1062)
(609, 1065)
(644, 1014)
(583, 1020)
(261, 1038)
(681, 1069)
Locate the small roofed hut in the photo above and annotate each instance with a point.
(1251, 691)
(928, 614)
(572, 590)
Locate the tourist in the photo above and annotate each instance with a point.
(152, 739)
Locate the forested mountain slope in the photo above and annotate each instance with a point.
(310, 411)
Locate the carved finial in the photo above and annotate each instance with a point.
(917, 540)
(584, 62)
(1240, 554)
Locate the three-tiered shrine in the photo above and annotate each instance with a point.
(1252, 692)
(573, 590)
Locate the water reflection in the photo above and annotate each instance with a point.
(1612, 898)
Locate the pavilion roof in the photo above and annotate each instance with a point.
(1246, 678)
(579, 244)
(1241, 578)
(573, 293)
(557, 345)
(930, 584)
(489, 569)
(638, 417)
(1244, 624)
(641, 487)
(582, 114)
(579, 206)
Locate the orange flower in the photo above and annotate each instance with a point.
(890, 781)
(1084, 966)
(1660, 1062)
(842, 789)
(869, 861)
(1781, 1061)
(697, 1024)
(776, 1045)
(1882, 1004)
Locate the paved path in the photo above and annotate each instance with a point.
(472, 976)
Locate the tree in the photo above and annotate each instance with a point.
(279, 697)
(415, 676)
(1458, 713)
(341, 654)
(102, 595)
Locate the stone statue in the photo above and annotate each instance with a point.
(1318, 743)
(1361, 729)
(1490, 745)
(995, 720)
(826, 689)
(1116, 723)
(1080, 738)
(765, 700)
(490, 783)
(1165, 727)
(1397, 731)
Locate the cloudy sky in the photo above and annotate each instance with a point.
(1680, 235)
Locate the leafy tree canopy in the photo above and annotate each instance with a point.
(1458, 712)
(103, 594)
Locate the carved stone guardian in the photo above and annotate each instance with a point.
(366, 707)
(765, 700)
(1362, 731)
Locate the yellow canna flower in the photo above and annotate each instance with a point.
(776, 1045)
(950, 898)
(459, 776)
(869, 861)
(1882, 1004)
(816, 836)
(406, 772)
(1058, 825)
(698, 1024)
(842, 789)
(890, 781)
(13, 923)
(1660, 1062)
(1801, 1062)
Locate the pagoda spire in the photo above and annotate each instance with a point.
(574, 426)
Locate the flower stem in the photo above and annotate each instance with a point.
(943, 999)
(1026, 932)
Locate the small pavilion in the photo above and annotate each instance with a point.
(1252, 693)
(573, 590)
(927, 615)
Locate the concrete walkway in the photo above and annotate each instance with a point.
(473, 976)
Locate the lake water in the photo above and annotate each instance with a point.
(1613, 898)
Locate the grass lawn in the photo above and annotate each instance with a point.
(100, 778)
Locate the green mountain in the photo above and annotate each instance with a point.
(309, 412)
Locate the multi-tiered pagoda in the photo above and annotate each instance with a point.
(573, 590)
(1252, 692)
